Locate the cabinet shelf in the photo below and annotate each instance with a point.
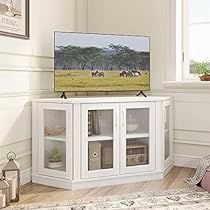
(56, 138)
(100, 138)
(136, 135)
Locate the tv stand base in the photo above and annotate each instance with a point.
(63, 95)
(141, 93)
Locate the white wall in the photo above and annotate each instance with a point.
(191, 106)
(26, 72)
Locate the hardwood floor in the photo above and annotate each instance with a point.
(31, 193)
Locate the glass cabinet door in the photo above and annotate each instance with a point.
(167, 133)
(99, 140)
(54, 140)
(138, 146)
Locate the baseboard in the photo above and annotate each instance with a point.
(186, 161)
(84, 184)
(95, 182)
(168, 168)
(19, 156)
(25, 176)
(52, 181)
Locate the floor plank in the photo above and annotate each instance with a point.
(31, 192)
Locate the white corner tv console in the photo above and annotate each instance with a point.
(85, 142)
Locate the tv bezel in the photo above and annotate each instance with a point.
(59, 91)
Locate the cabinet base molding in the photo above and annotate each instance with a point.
(168, 168)
(96, 182)
(82, 184)
(52, 181)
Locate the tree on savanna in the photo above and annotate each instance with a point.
(114, 57)
(69, 55)
(117, 56)
(144, 60)
(94, 56)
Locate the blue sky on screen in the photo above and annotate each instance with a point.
(138, 43)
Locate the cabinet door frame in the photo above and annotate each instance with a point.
(152, 142)
(84, 140)
(167, 161)
(41, 168)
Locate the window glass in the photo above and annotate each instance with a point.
(199, 10)
(198, 35)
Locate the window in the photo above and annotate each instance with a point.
(191, 37)
(196, 36)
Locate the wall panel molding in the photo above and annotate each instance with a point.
(25, 55)
(19, 156)
(192, 116)
(21, 148)
(25, 81)
(7, 94)
(207, 101)
(186, 161)
(192, 137)
(182, 141)
(24, 142)
(204, 90)
(22, 62)
(26, 69)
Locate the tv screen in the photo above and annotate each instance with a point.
(101, 62)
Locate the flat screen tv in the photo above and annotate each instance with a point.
(101, 62)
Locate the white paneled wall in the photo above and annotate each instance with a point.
(19, 81)
(192, 127)
(26, 72)
(192, 116)
(24, 62)
(16, 125)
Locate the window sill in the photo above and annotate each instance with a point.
(196, 84)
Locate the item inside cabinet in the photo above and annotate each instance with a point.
(107, 155)
(90, 124)
(54, 131)
(94, 155)
(93, 123)
(136, 154)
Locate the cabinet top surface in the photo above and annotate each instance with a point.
(108, 99)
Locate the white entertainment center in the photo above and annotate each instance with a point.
(84, 142)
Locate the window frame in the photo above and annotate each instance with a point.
(179, 62)
(185, 42)
(175, 53)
